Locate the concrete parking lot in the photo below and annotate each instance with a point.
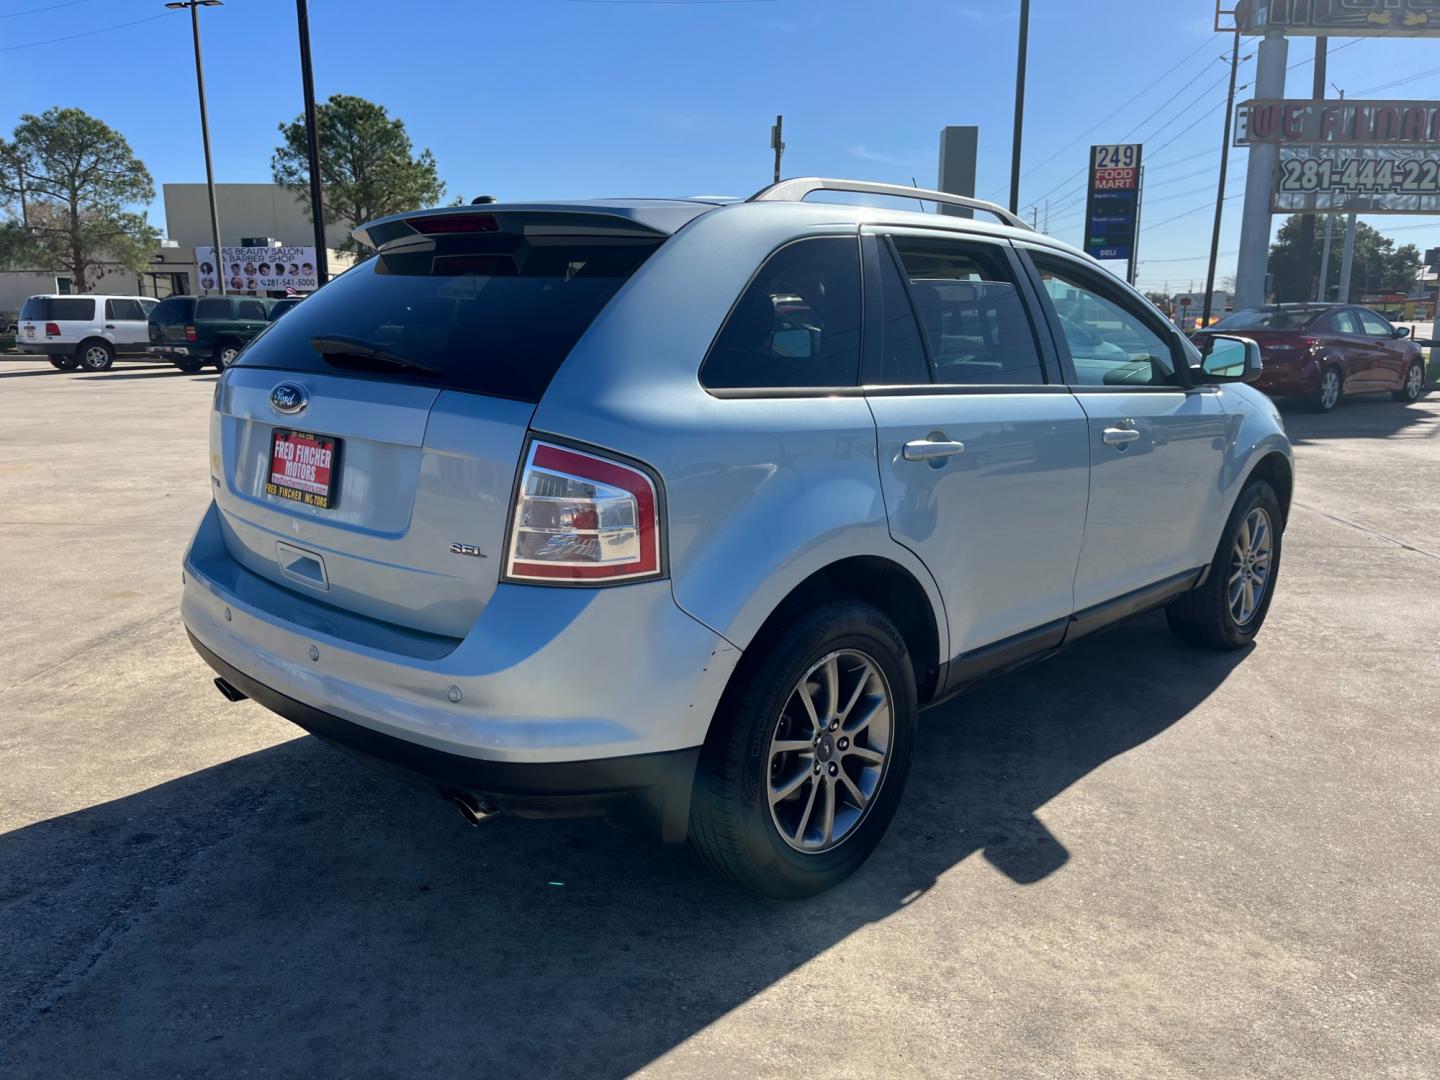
(1134, 860)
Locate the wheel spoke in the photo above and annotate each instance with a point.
(1244, 537)
(866, 717)
(1237, 575)
(789, 787)
(803, 692)
(864, 753)
(856, 794)
(832, 686)
(861, 682)
(791, 746)
(799, 837)
(827, 820)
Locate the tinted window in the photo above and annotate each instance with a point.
(176, 309)
(252, 309)
(124, 310)
(1344, 322)
(797, 324)
(1374, 325)
(1111, 343)
(212, 308)
(147, 306)
(58, 309)
(495, 315)
(902, 353)
(1273, 318)
(970, 311)
(280, 307)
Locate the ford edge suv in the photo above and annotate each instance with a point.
(678, 512)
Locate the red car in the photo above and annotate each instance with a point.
(1321, 352)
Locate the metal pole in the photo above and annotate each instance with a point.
(1307, 219)
(1323, 293)
(777, 143)
(1135, 242)
(1220, 190)
(1347, 260)
(312, 139)
(1024, 48)
(1260, 181)
(205, 137)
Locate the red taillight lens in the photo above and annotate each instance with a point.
(189, 333)
(582, 517)
(455, 223)
(52, 329)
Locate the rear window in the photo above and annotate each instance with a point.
(212, 308)
(493, 315)
(176, 309)
(252, 309)
(58, 309)
(1269, 319)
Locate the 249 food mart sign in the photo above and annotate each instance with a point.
(1377, 157)
(1114, 201)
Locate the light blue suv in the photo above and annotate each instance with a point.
(678, 512)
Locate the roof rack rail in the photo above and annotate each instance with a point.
(797, 189)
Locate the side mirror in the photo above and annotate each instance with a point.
(1231, 359)
(1402, 331)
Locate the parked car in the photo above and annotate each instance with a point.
(280, 307)
(1321, 352)
(679, 511)
(194, 331)
(88, 331)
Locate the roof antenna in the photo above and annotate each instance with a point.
(481, 200)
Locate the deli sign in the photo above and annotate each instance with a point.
(1340, 123)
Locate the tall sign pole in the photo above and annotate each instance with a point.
(1307, 220)
(1220, 190)
(1024, 48)
(1259, 180)
(777, 143)
(312, 140)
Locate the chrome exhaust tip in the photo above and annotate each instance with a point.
(473, 810)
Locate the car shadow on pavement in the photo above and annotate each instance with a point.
(1365, 416)
(293, 913)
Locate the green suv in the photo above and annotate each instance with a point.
(192, 331)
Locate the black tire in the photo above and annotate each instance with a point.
(63, 363)
(224, 348)
(96, 354)
(1413, 386)
(731, 823)
(189, 366)
(1204, 616)
(1323, 402)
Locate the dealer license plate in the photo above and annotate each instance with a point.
(304, 468)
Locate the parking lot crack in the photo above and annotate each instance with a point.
(1368, 531)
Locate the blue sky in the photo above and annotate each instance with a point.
(557, 98)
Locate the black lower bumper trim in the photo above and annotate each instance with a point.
(647, 792)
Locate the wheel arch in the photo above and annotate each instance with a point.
(1275, 469)
(884, 584)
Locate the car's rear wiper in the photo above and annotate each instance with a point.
(330, 345)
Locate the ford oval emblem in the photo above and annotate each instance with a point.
(289, 397)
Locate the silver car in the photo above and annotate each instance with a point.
(678, 512)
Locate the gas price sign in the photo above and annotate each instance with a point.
(1113, 205)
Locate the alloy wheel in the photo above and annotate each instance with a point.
(829, 751)
(227, 355)
(96, 358)
(1330, 390)
(1251, 563)
(1414, 382)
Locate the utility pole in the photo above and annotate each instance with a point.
(312, 140)
(1307, 218)
(1135, 244)
(777, 143)
(194, 6)
(1020, 58)
(1220, 191)
(1323, 293)
(1347, 260)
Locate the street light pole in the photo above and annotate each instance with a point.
(1024, 48)
(312, 140)
(194, 6)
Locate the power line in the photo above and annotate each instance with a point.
(38, 10)
(87, 33)
(1398, 82)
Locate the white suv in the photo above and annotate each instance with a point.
(86, 331)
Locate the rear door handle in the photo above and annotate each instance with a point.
(1119, 436)
(109, 326)
(926, 450)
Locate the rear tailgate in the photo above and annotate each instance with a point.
(418, 469)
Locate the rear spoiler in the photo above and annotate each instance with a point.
(649, 220)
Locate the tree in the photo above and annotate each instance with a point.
(1379, 266)
(74, 180)
(367, 164)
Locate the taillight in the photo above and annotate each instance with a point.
(189, 333)
(582, 517)
(52, 329)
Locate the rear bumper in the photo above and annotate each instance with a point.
(45, 348)
(1298, 380)
(647, 792)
